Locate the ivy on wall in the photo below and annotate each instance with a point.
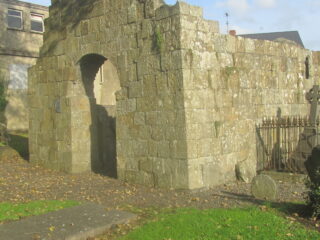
(158, 40)
(3, 100)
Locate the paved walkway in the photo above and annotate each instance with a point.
(75, 223)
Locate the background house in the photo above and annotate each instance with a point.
(292, 36)
(21, 36)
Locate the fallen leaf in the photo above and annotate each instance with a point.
(263, 208)
(51, 228)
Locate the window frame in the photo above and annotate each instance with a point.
(32, 14)
(14, 16)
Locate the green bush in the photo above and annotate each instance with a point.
(3, 101)
(158, 40)
(312, 165)
(313, 194)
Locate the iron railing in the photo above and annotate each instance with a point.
(283, 143)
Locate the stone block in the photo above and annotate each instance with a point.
(158, 133)
(163, 149)
(193, 146)
(132, 13)
(188, 22)
(216, 147)
(206, 130)
(249, 45)
(200, 79)
(139, 118)
(145, 164)
(152, 103)
(187, 9)
(163, 180)
(139, 148)
(149, 85)
(132, 164)
(130, 176)
(175, 133)
(152, 118)
(213, 174)
(204, 147)
(225, 60)
(158, 166)
(162, 84)
(146, 179)
(179, 173)
(135, 89)
(178, 149)
(194, 99)
(195, 175)
(192, 131)
(126, 106)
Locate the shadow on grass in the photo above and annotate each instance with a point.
(20, 143)
(288, 208)
(291, 208)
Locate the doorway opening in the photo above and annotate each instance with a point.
(101, 81)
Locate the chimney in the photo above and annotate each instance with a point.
(233, 32)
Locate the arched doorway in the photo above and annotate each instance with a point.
(100, 80)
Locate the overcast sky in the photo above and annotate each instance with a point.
(254, 16)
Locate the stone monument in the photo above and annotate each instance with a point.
(264, 187)
(309, 138)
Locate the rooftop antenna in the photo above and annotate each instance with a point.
(227, 16)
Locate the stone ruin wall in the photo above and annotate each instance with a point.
(151, 147)
(189, 99)
(230, 85)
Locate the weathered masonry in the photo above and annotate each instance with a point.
(21, 31)
(183, 98)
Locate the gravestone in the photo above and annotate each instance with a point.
(313, 97)
(245, 171)
(310, 132)
(264, 187)
(309, 138)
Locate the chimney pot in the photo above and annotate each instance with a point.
(233, 32)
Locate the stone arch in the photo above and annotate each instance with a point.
(100, 81)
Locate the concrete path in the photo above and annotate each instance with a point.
(75, 223)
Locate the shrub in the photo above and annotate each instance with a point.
(158, 40)
(313, 194)
(3, 101)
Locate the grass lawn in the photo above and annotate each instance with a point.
(250, 223)
(14, 211)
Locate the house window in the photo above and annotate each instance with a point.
(37, 23)
(14, 19)
(18, 76)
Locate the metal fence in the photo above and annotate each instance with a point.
(284, 143)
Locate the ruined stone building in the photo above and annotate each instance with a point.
(21, 32)
(154, 94)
